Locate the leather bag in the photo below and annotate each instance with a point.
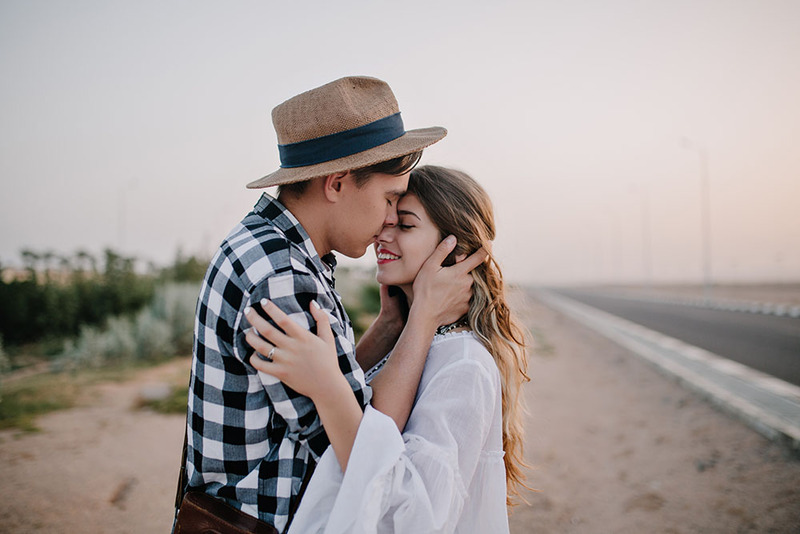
(200, 513)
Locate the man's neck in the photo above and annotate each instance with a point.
(308, 215)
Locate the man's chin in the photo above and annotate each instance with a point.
(355, 253)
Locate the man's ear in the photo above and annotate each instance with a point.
(332, 186)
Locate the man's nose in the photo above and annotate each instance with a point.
(391, 217)
(386, 234)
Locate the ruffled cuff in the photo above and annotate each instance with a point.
(377, 447)
(333, 502)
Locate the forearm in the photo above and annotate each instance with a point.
(377, 342)
(395, 387)
(341, 416)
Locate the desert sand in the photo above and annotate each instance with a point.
(614, 447)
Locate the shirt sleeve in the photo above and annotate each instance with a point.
(416, 482)
(292, 292)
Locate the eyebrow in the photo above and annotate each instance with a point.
(406, 212)
(397, 193)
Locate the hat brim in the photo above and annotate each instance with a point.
(408, 143)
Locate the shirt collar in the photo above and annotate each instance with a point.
(271, 209)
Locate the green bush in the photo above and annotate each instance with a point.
(57, 302)
(5, 364)
(371, 298)
(60, 295)
(152, 337)
(161, 330)
(174, 303)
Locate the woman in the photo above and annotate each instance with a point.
(460, 454)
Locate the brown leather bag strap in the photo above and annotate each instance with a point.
(183, 481)
(303, 486)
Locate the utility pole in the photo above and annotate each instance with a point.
(705, 215)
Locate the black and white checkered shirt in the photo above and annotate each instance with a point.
(250, 438)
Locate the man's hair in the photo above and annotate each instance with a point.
(396, 167)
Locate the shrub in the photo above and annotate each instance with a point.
(5, 364)
(152, 337)
(161, 330)
(57, 300)
(174, 303)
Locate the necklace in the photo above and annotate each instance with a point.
(452, 326)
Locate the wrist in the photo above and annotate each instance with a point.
(331, 390)
(421, 317)
(391, 325)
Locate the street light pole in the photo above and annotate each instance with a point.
(646, 254)
(705, 214)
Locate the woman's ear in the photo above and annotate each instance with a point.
(332, 186)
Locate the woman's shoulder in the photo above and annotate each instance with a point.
(460, 348)
(458, 365)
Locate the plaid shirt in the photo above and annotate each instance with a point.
(250, 438)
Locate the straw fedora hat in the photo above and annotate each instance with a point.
(346, 124)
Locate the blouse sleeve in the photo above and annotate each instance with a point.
(416, 482)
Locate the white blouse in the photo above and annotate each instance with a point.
(444, 474)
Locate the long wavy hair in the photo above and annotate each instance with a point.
(458, 205)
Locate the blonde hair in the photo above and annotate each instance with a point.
(458, 205)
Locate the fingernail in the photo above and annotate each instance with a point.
(314, 303)
(264, 302)
(450, 239)
(247, 310)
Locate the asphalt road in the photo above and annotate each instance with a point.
(767, 343)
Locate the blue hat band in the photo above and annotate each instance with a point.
(341, 144)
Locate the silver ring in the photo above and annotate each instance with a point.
(270, 353)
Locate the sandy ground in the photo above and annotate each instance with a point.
(615, 448)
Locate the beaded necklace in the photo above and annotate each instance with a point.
(452, 326)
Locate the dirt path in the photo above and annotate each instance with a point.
(106, 467)
(616, 447)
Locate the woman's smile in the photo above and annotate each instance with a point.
(385, 256)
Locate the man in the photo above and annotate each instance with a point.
(345, 161)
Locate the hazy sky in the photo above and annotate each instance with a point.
(136, 125)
